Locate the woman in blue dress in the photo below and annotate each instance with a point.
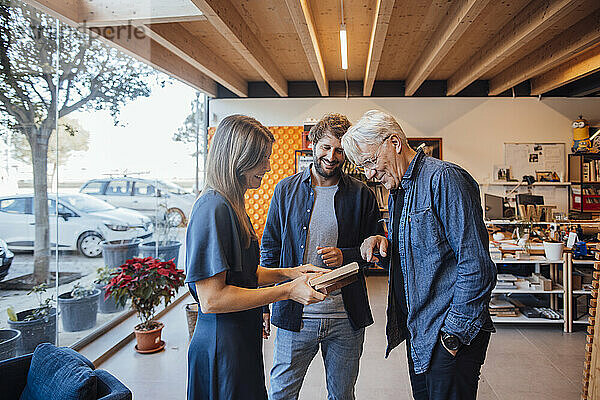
(225, 358)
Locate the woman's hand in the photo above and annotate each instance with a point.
(301, 292)
(305, 269)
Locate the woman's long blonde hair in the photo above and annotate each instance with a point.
(240, 143)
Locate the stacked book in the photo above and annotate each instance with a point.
(506, 281)
(336, 279)
(500, 307)
(591, 171)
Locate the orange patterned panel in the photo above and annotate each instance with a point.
(287, 139)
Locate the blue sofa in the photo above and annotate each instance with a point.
(57, 373)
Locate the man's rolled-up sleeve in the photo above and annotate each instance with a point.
(459, 210)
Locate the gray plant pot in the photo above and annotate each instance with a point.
(166, 251)
(109, 305)
(34, 332)
(116, 253)
(78, 314)
(9, 339)
(4, 271)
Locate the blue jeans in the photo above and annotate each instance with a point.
(341, 347)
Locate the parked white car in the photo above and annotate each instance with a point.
(147, 196)
(83, 223)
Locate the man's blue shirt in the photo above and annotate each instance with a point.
(443, 250)
(284, 239)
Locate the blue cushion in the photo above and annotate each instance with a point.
(59, 373)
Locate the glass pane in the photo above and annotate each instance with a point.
(15, 206)
(95, 187)
(144, 189)
(29, 43)
(118, 169)
(118, 188)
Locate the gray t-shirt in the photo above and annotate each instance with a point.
(323, 232)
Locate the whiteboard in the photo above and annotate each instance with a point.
(527, 158)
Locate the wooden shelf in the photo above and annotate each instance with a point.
(582, 320)
(557, 289)
(530, 261)
(525, 185)
(582, 291)
(584, 262)
(570, 222)
(521, 319)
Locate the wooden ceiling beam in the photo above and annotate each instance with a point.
(139, 45)
(162, 59)
(67, 11)
(381, 21)
(114, 13)
(581, 66)
(460, 16)
(575, 39)
(531, 22)
(189, 48)
(305, 26)
(223, 15)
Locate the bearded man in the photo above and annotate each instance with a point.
(320, 216)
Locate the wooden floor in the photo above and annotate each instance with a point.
(523, 362)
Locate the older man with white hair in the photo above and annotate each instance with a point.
(441, 274)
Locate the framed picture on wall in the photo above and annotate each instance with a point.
(303, 159)
(431, 146)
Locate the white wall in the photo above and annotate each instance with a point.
(473, 129)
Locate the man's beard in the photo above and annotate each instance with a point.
(336, 171)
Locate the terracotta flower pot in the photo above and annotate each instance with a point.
(149, 341)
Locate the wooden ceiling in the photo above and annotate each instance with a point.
(284, 48)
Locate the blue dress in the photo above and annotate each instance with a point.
(225, 359)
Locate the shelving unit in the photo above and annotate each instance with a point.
(584, 175)
(568, 263)
(583, 320)
(554, 293)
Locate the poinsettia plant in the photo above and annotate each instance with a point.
(147, 282)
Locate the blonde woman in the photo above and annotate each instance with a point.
(225, 355)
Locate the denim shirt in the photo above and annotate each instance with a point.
(444, 255)
(284, 239)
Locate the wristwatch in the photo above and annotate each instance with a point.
(452, 342)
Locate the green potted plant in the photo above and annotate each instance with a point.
(37, 325)
(105, 305)
(147, 282)
(79, 308)
(165, 245)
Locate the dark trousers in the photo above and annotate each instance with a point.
(450, 377)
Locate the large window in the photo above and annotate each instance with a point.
(113, 167)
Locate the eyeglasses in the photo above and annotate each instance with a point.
(370, 163)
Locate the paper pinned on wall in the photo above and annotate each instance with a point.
(527, 158)
(553, 153)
